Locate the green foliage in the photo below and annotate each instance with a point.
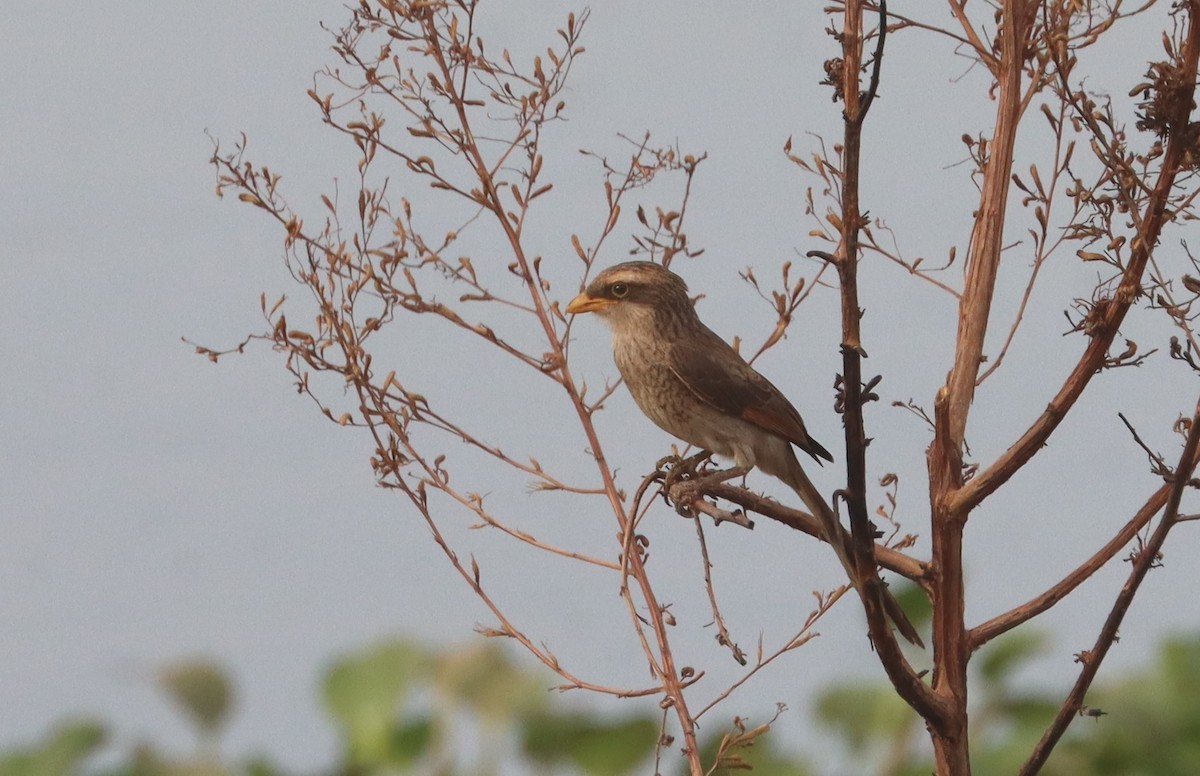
(865, 715)
(202, 690)
(595, 747)
(363, 693)
(484, 679)
(1148, 723)
(399, 707)
(1006, 655)
(61, 753)
(914, 601)
(403, 708)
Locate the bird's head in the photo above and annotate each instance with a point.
(635, 290)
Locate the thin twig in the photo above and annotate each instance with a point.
(723, 637)
(806, 634)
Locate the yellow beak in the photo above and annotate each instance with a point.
(589, 304)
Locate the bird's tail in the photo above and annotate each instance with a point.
(838, 538)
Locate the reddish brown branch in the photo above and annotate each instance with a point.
(987, 238)
(806, 634)
(665, 669)
(1046, 200)
(952, 405)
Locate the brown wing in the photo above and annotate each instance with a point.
(721, 378)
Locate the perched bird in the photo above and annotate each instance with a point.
(697, 388)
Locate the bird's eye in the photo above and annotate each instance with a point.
(619, 290)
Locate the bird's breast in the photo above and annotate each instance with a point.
(671, 405)
(643, 363)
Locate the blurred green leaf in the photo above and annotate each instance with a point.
(260, 766)
(1148, 722)
(202, 689)
(913, 600)
(1151, 720)
(865, 714)
(596, 747)
(61, 753)
(485, 678)
(148, 761)
(411, 741)
(1026, 710)
(1003, 656)
(364, 693)
(1180, 667)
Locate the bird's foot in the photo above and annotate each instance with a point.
(684, 488)
(724, 475)
(676, 468)
(676, 471)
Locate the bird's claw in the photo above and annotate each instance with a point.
(683, 483)
(684, 508)
(662, 463)
(687, 497)
(676, 470)
(678, 465)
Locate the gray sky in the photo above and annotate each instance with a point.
(156, 506)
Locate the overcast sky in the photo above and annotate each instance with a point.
(155, 506)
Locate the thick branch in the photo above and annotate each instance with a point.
(988, 236)
(952, 405)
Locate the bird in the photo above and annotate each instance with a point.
(692, 384)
